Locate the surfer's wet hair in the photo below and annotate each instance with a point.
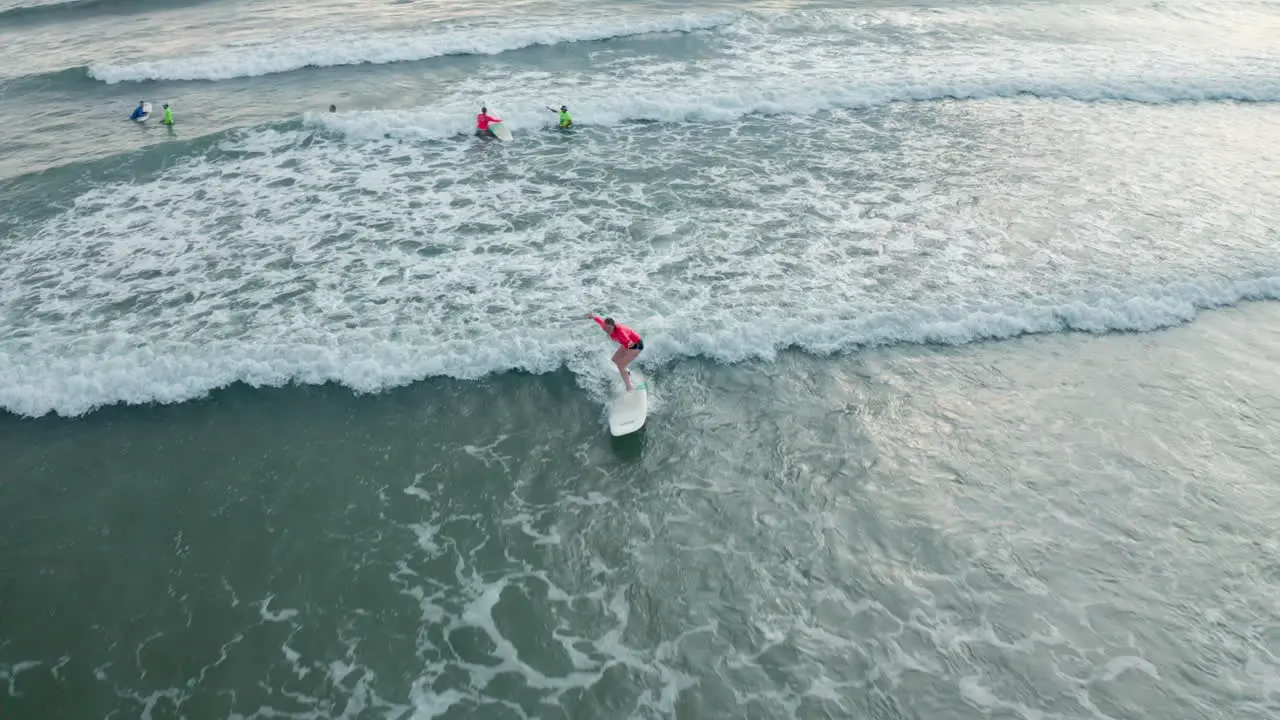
(609, 321)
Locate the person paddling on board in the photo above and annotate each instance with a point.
(626, 337)
(168, 115)
(483, 121)
(565, 120)
(139, 111)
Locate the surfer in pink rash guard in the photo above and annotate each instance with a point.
(483, 121)
(626, 337)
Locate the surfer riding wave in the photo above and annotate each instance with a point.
(626, 337)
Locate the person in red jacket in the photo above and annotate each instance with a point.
(626, 337)
(484, 120)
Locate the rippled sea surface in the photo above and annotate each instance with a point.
(959, 320)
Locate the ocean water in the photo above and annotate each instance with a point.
(960, 322)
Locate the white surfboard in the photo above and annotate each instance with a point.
(500, 129)
(146, 113)
(629, 409)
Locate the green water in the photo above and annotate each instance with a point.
(1055, 526)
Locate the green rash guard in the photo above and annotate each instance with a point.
(168, 116)
(565, 120)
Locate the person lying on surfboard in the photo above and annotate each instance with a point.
(626, 337)
(483, 121)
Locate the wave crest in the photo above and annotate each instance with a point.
(329, 51)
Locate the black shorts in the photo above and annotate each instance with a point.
(639, 345)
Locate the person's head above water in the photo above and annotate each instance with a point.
(564, 108)
(484, 110)
(166, 106)
(609, 324)
(333, 108)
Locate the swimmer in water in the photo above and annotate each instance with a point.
(483, 121)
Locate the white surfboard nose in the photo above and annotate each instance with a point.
(628, 411)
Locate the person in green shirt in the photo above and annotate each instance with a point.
(168, 114)
(565, 120)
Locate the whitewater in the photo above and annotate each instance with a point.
(740, 183)
(318, 49)
(819, 45)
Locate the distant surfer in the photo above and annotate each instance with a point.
(483, 121)
(168, 115)
(139, 111)
(626, 337)
(333, 108)
(565, 120)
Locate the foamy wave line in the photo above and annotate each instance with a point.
(35, 384)
(49, 9)
(685, 105)
(227, 63)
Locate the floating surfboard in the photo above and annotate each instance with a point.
(146, 113)
(629, 409)
(500, 129)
